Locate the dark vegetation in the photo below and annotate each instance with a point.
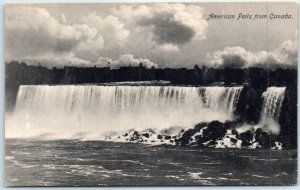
(254, 80)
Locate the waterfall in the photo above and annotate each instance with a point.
(273, 99)
(272, 102)
(89, 111)
(222, 97)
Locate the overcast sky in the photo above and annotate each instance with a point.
(160, 35)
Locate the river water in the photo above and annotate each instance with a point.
(98, 163)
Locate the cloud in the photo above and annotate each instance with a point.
(124, 60)
(110, 27)
(175, 24)
(285, 56)
(63, 18)
(33, 32)
(167, 31)
(54, 60)
(167, 48)
(172, 35)
(34, 36)
(287, 53)
(70, 59)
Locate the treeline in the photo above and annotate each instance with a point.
(24, 74)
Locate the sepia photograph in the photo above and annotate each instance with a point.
(151, 94)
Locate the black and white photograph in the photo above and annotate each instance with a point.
(151, 94)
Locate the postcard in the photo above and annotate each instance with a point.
(151, 94)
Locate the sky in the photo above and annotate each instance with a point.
(156, 35)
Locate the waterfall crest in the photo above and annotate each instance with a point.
(72, 98)
(273, 99)
(90, 111)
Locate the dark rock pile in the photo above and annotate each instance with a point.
(214, 134)
(223, 135)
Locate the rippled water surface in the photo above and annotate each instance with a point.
(95, 163)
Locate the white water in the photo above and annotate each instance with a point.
(91, 111)
(273, 99)
(272, 102)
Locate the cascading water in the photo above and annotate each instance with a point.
(222, 97)
(273, 99)
(91, 111)
(272, 102)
